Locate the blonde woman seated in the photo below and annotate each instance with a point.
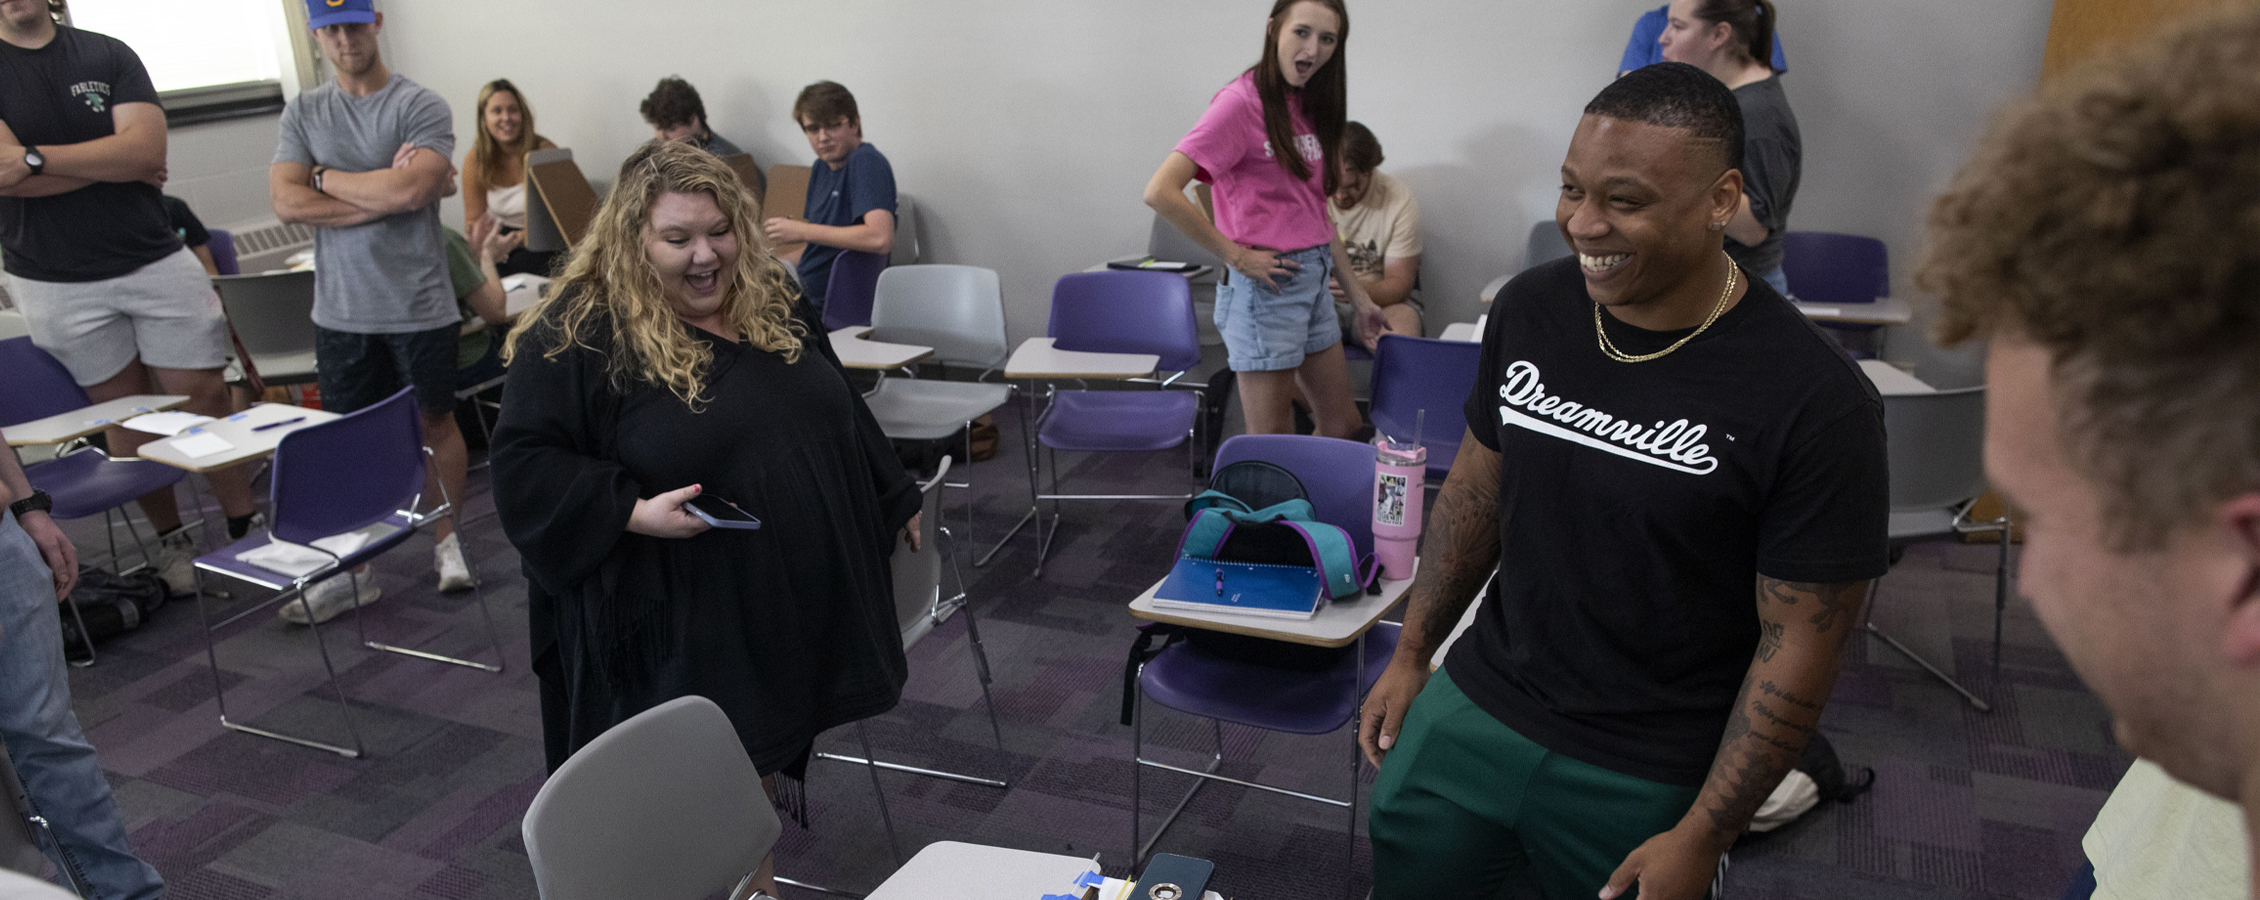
(674, 361)
(494, 173)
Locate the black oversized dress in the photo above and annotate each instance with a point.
(789, 628)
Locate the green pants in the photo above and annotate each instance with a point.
(1467, 808)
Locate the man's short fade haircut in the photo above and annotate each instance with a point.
(824, 103)
(674, 102)
(2114, 220)
(1677, 95)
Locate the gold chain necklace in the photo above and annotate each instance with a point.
(1621, 356)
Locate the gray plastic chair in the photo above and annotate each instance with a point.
(958, 311)
(1936, 447)
(1165, 242)
(663, 806)
(25, 887)
(273, 316)
(1545, 244)
(919, 606)
(907, 250)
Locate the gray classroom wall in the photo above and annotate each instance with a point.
(1026, 130)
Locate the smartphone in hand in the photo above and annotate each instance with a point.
(722, 513)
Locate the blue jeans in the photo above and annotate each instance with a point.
(52, 756)
(1270, 328)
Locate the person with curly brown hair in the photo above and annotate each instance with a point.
(672, 363)
(675, 113)
(2105, 243)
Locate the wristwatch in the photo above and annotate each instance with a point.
(34, 160)
(37, 502)
(318, 170)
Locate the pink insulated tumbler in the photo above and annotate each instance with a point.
(1400, 474)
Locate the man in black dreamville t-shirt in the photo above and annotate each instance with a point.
(1682, 485)
(91, 258)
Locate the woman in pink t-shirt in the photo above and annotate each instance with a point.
(1280, 330)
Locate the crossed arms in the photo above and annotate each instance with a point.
(416, 179)
(134, 152)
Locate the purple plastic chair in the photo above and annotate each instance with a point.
(1414, 374)
(1834, 269)
(222, 246)
(1825, 267)
(360, 470)
(854, 282)
(85, 481)
(1121, 312)
(1338, 476)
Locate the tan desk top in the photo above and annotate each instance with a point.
(1884, 311)
(240, 430)
(1892, 380)
(1337, 624)
(857, 352)
(84, 421)
(1037, 358)
(953, 870)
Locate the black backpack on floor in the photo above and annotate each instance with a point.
(107, 605)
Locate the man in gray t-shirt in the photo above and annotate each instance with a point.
(364, 160)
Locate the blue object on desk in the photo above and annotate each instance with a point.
(1256, 589)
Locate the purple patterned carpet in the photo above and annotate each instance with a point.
(1965, 805)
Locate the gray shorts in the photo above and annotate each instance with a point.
(165, 312)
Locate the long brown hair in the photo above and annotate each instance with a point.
(1751, 20)
(609, 277)
(1325, 96)
(491, 154)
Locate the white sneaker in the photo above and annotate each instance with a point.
(447, 557)
(330, 598)
(176, 562)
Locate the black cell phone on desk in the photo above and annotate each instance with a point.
(722, 513)
(1172, 877)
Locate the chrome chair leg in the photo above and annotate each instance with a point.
(297, 593)
(1974, 700)
(863, 736)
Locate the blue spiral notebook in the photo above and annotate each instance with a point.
(1255, 589)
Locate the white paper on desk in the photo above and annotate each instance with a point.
(298, 559)
(198, 446)
(167, 423)
(1821, 310)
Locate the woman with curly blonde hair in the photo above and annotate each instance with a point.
(672, 375)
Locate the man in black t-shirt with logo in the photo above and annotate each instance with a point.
(1682, 485)
(92, 260)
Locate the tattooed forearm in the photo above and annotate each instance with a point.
(1460, 549)
(1838, 602)
(1770, 690)
(1779, 706)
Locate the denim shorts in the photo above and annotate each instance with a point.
(1271, 328)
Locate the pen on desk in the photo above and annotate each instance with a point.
(1220, 581)
(291, 421)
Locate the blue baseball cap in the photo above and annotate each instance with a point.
(320, 13)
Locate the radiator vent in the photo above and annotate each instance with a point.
(271, 238)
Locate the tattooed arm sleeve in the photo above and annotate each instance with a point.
(1802, 632)
(1458, 553)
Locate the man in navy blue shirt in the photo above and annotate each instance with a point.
(851, 192)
